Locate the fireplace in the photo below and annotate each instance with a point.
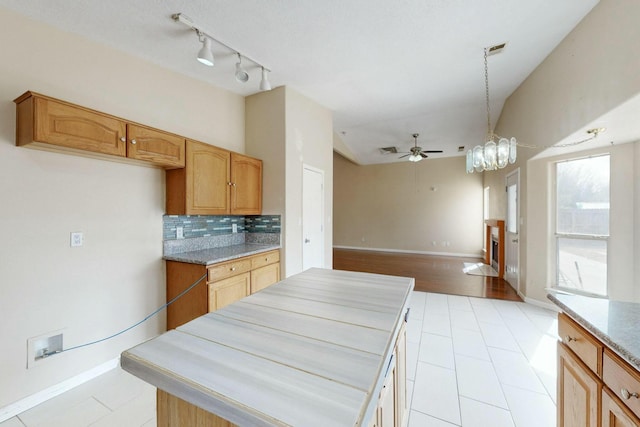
(495, 245)
(495, 253)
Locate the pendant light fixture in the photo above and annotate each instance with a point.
(205, 55)
(496, 152)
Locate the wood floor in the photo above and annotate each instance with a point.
(432, 273)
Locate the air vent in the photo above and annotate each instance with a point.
(388, 150)
(495, 49)
(460, 148)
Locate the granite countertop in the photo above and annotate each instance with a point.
(614, 322)
(216, 255)
(310, 350)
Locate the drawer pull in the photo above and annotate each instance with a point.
(569, 338)
(233, 269)
(627, 395)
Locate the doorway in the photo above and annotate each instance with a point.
(512, 225)
(312, 217)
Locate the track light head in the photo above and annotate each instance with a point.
(264, 82)
(205, 56)
(241, 74)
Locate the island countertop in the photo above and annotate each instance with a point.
(311, 350)
(615, 323)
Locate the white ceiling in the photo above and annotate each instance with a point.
(387, 69)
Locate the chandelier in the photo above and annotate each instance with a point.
(497, 152)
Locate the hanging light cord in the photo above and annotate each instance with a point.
(486, 91)
(193, 285)
(593, 134)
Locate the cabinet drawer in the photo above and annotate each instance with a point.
(588, 349)
(228, 269)
(266, 258)
(623, 381)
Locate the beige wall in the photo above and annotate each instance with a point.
(591, 72)
(408, 206)
(289, 131)
(117, 277)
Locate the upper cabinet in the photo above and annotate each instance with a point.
(246, 185)
(215, 182)
(46, 120)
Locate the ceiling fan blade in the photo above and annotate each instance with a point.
(432, 151)
(406, 155)
(424, 156)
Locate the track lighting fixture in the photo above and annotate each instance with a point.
(241, 74)
(264, 82)
(205, 55)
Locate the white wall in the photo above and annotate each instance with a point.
(408, 206)
(117, 277)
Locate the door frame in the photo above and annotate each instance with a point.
(516, 172)
(322, 209)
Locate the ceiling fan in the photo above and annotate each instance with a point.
(417, 153)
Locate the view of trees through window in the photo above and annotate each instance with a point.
(582, 224)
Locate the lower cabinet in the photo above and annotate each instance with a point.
(392, 402)
(595, 386)
(226, 282)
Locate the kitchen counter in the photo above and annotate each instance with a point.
(615, 323)
(220, 254)
(311, 350)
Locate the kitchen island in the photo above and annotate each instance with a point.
(320, 348)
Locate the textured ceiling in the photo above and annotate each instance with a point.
(387, 69)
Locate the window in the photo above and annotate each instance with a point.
(582, 224)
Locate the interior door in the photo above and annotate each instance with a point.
(312, 218)
(512, 245)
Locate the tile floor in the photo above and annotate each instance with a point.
(471, 362)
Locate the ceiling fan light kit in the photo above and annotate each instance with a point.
(205, 54)
(416, 153)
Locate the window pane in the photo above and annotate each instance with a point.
(583, 196)
(582, 265)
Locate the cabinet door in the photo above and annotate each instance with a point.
(70, 126)
(401, 376)
(615, 414)
(386, 404)
(578, 392)
(246, 179)
(264, 276)
(202, 187)
(154, 146)
(228, 291)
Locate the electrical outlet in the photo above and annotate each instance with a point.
(234, 228)
(179, 233)
(77, 238)
(42, 347)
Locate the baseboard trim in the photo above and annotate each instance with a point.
(537, 303)
(34, 400)
(406, 251)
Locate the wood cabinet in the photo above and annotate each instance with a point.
(595, 386)
(49, 122)
(392, 408)
(215, 182)
(226, 283)
(578, 391)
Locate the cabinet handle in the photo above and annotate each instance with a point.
(627, 395)
(233, 269)
(234, 184)
(229, 184)
(133, 141)
(569, 338)
(123, 139)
